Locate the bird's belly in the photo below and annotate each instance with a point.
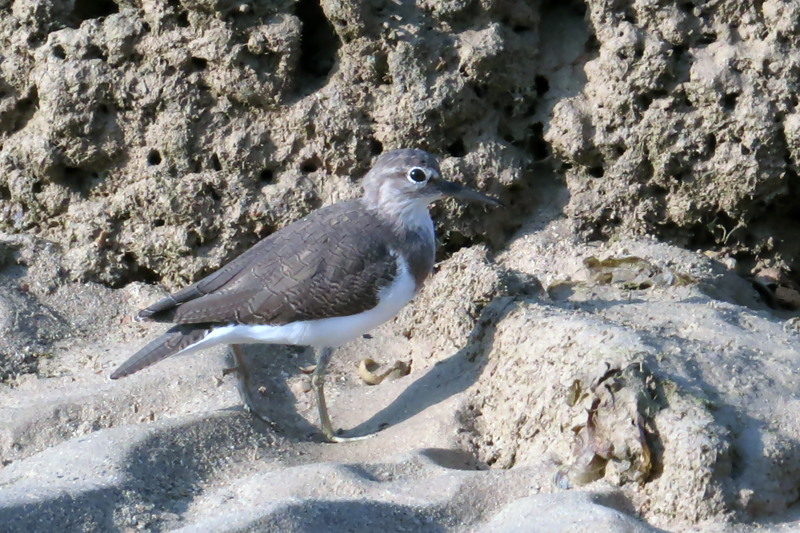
(324, 332)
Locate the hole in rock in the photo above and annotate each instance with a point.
(729, 101)
(382, 69)
(480, 90)
(26, 108)
(457, 149)
(453, 241)
(58, 51)
(210, 191)
(266, 176)
(707, 38)
(136, 272)
(154, 158)
(711, 142)
(198, 64)
(597, 172)
(183, 19)
(309, 166)
(77, 179)
(319, 43)
(538, 146)
(215, 164)
(94, 52)
(92, 9)
(541, 84)
(375, 147)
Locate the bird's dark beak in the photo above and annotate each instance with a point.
(454, 190)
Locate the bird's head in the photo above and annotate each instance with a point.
(407, 180)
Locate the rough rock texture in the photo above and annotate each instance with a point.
(619, 384)
(153, 142)
(687, 127)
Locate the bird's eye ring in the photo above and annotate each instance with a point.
(417, 175)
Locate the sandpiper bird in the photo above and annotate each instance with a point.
(321, 281)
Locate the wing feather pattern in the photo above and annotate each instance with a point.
(332, 263)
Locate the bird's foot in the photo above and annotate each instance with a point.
(318, 384)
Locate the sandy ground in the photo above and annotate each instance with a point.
(565, 376)
(485, 434)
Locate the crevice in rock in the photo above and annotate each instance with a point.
(375, 147)
(209, 191)
(215, 163)
(452, 242)
(77, 179)
(541, 84)
(538, 147)
(26, 108)
(382, 69)
(182, 19)
(135, 272)
(319, 45)
(94, 52)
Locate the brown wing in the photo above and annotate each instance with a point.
(332, 263)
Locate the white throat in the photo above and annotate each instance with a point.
(407, 214)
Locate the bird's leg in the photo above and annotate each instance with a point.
(243, 382)
(318, 384)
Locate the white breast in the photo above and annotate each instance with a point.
(325, 332)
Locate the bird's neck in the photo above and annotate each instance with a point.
(405, 216)
(413, 227)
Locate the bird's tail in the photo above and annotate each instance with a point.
(173, 341)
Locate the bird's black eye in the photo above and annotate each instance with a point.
(417, 175)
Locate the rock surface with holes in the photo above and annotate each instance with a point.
(686, 127)
(579, 385)
(155, 142)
